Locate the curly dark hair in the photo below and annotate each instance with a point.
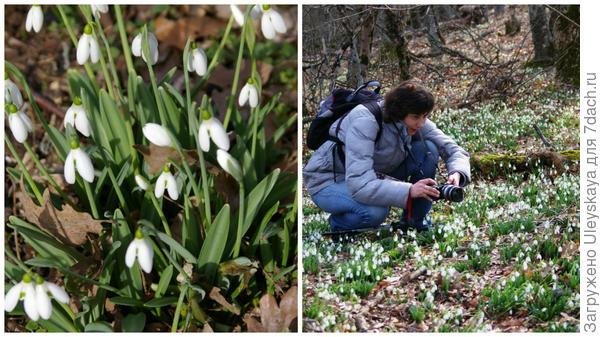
(409, 97)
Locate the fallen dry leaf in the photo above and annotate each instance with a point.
(157, 156)
(275, 318)
(215, 294)
(67, 226)
(176, 33)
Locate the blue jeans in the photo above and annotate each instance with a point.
(347, 214)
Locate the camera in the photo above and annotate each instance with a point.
(450, 193)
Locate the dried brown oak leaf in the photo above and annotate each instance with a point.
(157, 156)
(67, 226)
(275, 318)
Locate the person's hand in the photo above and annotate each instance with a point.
(421, 189)
(454, 179)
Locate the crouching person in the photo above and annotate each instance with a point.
(367, 170)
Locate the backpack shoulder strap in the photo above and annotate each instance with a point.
(375, 109)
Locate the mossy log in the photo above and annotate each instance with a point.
(488, 163)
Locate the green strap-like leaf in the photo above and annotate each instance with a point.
(214, 245)
(187, 256)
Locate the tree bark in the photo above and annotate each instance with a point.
(433, 35)
(540, 33)
(394, 29)
(564, 25)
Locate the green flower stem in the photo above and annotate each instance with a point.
(90, 195)
(241, 214)
(238, 66)
(124, 40)
(117, 188)
(178, 309)
(254, 111)
(52, 182)
(111, 62)
(215, 60)
(34, 187)
(188, 172)
(87, 67)
(163, 219)
(193, 130)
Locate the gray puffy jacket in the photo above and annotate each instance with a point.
(364, 157)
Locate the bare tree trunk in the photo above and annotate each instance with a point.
(354, 77)
(394, 29)
(564, 23)
(540, 32)
(366, 38)
(433, 35)
(498, 10)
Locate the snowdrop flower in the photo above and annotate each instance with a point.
(136, 47)
(24, 290)
(167, 181)
(19, 123)
(97, 9)
(196, 60)
(249, 94)
(141, 249)
(87, 47)
(141, 182)
(12, 94)
(44, 304)
(238, 16)
(157, 134)
(35, 19)
(78, 160)
(229, 164)
(211, 127)
(271, 22)
(35, 297)
(77, 117)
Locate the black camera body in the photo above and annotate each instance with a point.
(450, 192)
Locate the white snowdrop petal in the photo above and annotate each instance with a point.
(84, 166)
(229, 164)
(172, 186)
(12, 297)
(159, 188)
(277, 21)
(253, 96)
(26, 121)
(238, 16)
(69, 169)
(140, 182)
(153, 48)
(200, 61)
(12, 94)
(136, 45)
(29, 20)
(70, 116)
(83, 49)
(157, 134)
(81, 123)
(243, 98)
(94, 50)
(203, 137)
(38, 18)
(131, 253)
(255, 12)
(218, 134)
(145, 255)
(190, 61)
(44, 304)
(267, 27)
(30, 302)
(57, 292)
(17, 127)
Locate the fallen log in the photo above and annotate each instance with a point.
(493, 163)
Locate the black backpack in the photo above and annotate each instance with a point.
(336, 106)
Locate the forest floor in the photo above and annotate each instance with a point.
(504, 259)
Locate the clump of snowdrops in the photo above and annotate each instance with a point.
(168, 214)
